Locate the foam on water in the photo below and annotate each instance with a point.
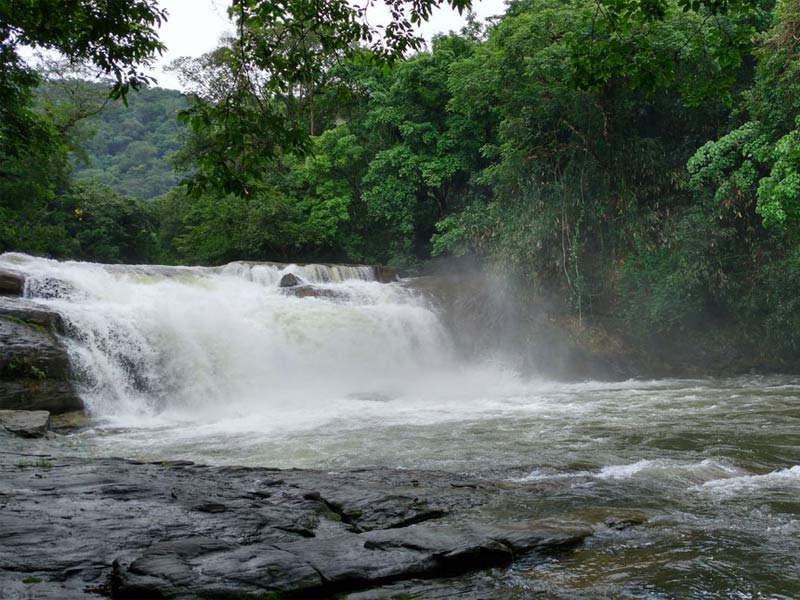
(746, 484)
(661, 468)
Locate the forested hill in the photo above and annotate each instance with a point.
(130, 148)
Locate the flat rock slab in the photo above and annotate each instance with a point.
(74, 528)
(25, 423)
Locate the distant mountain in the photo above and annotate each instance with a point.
(132, 147)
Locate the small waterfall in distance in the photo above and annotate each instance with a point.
(211, 342)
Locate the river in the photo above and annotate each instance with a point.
(220, 366)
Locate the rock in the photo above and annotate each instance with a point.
(70, 421)
(385, 274)
(21, 309)
(179, 530)
(35, 371)
(28, 351)
(210, 507)
(46, 394)
(12, 283)
(25, 423)
(289, 280)
(310, 291)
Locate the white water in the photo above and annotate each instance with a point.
(160, 344)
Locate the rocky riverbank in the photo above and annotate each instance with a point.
(74, 528)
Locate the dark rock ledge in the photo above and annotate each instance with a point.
(73, 528)
(35, 372)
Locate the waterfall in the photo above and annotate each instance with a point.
(153, 340)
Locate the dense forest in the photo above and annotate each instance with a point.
(130, 148)
(623, 163)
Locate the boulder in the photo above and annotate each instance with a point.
(25, 423)
(50, 287)
(289, 280)
(69, 422)
(35, 372)
(385, 274)
(12, 283)
(30, 313)
(45, 394)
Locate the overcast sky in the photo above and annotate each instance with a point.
(195, 26)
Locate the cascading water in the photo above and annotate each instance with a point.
(219, 365)
(188, 343)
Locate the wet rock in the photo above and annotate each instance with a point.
(12, 283)
(35, 316)
(310, 291)
(32, 394)
(289, 280)
(35, 372)
(625, 521)
(134, 530)
(25, 423)
(70, 421)
(385, 274)
(209, 507)
(50, 287)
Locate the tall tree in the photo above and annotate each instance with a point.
(282, 51)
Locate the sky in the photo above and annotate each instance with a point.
(195, 26)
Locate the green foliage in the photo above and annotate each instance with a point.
(107, 227)
(578, 176)
(645, 41)
(775, 297)
(130, 148)
(678, 285)
(424, 154)
(301, 210)
(31, 177)
(118, 38)
(635, 158)
(115, 38)
(282, 54)
(758, 163)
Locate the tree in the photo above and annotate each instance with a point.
(624, 38)
(757, 165)
(118, 38)
(282, 51)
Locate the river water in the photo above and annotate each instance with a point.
(222, 367)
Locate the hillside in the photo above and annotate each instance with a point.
(132, 146)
